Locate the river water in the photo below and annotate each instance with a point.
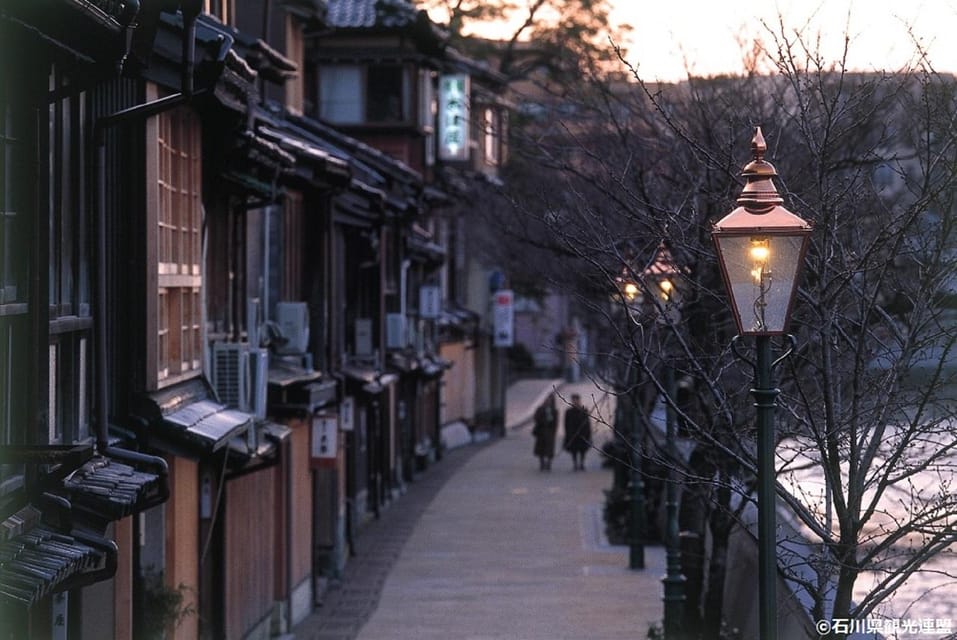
(929, 596)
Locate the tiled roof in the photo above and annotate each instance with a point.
(363, 153)
(50, 544)
(370, 13)
(207, 423)
(303, 149)
(109, 488)
(107, 13)
(41, 561)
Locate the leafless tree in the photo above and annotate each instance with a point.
(867, 410)
(563, 37)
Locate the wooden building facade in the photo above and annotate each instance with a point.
(222, 302)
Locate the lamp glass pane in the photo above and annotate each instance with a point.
(761, 272)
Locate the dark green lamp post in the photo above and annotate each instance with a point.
(661, 276)
(631, 296)
(637, 525)
(761, 247)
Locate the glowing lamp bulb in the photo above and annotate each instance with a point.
(665, 289)
(760, 250)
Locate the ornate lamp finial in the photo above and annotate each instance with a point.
(758, 145)
(759, 194)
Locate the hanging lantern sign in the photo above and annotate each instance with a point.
(454, 96)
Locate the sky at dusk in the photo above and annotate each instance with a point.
(705, 33)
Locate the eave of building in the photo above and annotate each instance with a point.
(390, 186)
(185, 420)
(392, 169)
(421, 247)
(52, 538)
(317, 163)
(89, 31)
(46, 560)
(217, 66)
(312, 12)
(483, 96)
(359, 205)
(375, 56)
(269, 63)
(380, 17)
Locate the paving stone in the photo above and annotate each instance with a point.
(346, 608)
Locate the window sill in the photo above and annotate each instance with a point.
(14, 309)
(170, 380)
(70, 323)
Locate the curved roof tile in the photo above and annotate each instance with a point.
(370, 13)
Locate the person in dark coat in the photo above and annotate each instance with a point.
(546, 425)
(577, 432)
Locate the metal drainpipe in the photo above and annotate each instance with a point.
(100, 305)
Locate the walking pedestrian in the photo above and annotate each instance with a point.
(577, 432)
(546, 425)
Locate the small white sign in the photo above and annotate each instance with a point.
(395, 332)
(430, 302)
(325, 432)
(347, 413)
(363, 336)
(503, 316)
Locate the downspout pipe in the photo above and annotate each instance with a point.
(404, 286)
(100, 127)
(190, 11)
(100, 300)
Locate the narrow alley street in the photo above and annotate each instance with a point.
(502, 550)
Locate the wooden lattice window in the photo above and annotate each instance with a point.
(69, 259)
(179, 217)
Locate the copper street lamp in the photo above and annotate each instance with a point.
(653, 298)
(761, 247)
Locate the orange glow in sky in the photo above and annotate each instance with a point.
(708, 37)
(705, 34)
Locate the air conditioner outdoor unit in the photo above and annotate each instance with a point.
(293, 321)
(230, 375)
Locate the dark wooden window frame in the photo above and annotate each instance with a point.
(175, 348)
(69, 388)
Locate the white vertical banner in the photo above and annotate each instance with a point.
(454, 92)
(503, 317)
